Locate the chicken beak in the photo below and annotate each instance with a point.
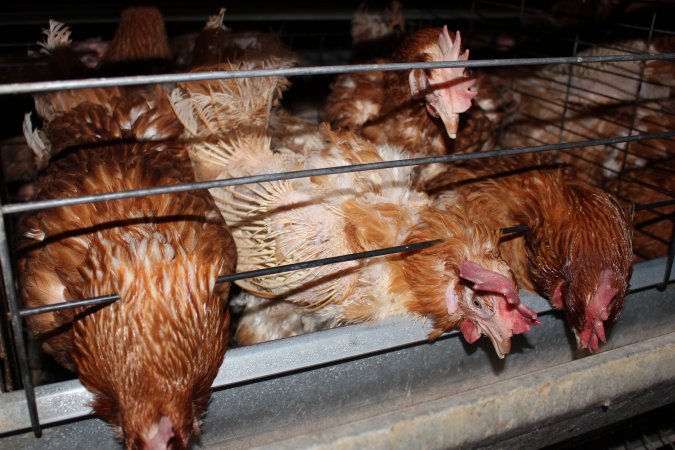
(439, 106)
(449, 100)
(451, 122)
(502, 346)
(590, 337)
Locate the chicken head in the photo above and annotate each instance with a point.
(447, 91)
(580, 256)
(490, 306)
(463, 281)
(601, 306)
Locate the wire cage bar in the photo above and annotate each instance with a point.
(518, 10)
(46, 86)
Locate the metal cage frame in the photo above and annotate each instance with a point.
(269, 364)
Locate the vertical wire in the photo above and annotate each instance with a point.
(669, 261)
(671, 247)
(9, 374)
(15, 319)
(635, 106)
(575, 50)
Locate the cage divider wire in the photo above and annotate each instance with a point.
(599, 94)
(635, 108)
(589, 161)
(575, 48)
(17, 328)
(610, 120)
(46, 86)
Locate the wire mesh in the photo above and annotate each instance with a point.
(563, 121)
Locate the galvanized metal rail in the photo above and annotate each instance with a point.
(47, 86)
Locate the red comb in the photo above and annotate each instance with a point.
(491, 281)
(458, 84)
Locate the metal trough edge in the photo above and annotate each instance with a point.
(547, 406)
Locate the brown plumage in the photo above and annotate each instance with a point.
(308, 218)
(151, 357)
(377, 32)
(577, 251)
(143, 357)
(417, 110)
(140, 44)
(215, 108)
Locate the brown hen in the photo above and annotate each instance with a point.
(234, 132)
(460, 282)
(151, 357)
(417, 109)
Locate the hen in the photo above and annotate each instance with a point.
(461, 282)
(577, 250)
(151, 357)
(418, 109)
(233, 132)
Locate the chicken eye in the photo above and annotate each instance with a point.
(477, 303)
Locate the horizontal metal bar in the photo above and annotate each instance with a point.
(516, 229)
(46, 86)
(326, 261)
(654, 205)
(111, 298)
(103, 300)
(13, 208)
